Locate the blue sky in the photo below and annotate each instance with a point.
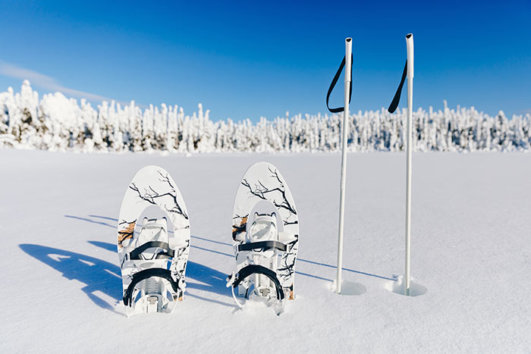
(246, 59)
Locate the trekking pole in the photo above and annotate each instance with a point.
(347, 64)
(410, 72)
(344, 134)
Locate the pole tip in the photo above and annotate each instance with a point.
(409, 35)
(348, 39)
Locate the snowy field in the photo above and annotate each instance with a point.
(471, 253)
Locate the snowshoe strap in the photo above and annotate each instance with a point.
(396, 99)
(258, 269)
(263, 245)
(135, 254)
(145, 274)
(333, 84)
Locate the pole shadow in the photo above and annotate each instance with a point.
(96, 274)
(232, 256)
(209, 240)
(90, 220)
(212, 251)
(394, 278)
(347, 269)
(298, 260)
(104, 217)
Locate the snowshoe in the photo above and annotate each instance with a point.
(265, 233)
(153, 253)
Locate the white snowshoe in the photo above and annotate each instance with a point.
(265, 232)
(152, 255)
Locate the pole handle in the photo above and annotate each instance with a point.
(410, 55)
(348, 69)
(408, 72)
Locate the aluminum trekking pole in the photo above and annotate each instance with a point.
(347, 64)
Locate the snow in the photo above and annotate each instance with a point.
(57, 123)
(471, 255)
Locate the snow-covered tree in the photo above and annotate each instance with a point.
(58, 123)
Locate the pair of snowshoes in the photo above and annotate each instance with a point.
(154, 240)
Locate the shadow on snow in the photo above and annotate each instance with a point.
(206, 278)
(216, 275)
(90, 220)
(101, 276)
(96, 274)
(298, 260)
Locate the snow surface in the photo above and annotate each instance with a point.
(471, 255)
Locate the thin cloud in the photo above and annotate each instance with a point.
(45, 82)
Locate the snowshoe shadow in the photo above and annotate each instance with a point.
(206, 279)
(98, 276)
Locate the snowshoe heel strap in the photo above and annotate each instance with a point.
(258, 269)
(262, 245)
(145, 274)
(135, 254)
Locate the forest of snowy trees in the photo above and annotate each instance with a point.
(55, 122)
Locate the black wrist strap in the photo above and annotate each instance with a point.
(396, 99)
(333, 84)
